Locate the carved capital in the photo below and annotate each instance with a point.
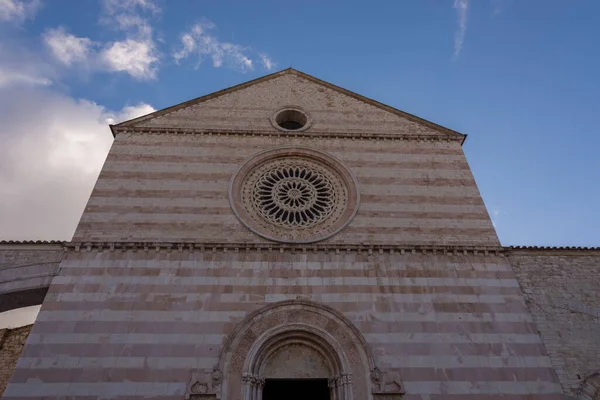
(253, 380)
(332, 382)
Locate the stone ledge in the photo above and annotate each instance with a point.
(31, 244)
(281, 248)
(292, 134)
(285, 247)
(551, 250)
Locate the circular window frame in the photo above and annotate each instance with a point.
(287, 109)
(236, 186)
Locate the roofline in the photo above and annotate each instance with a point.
(235, 88)
(201, 99)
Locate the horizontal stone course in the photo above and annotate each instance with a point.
(436, 319)
(407, 177)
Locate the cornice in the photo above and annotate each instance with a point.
(273, 133)
(222, 247)
(279, 248)
(551, 251)
(32, 245)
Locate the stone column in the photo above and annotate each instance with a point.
(346, 386)
(252, 387)
(332, 384)
(260, 384)
(247, 387)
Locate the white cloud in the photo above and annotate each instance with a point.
(137, 54)
(200, 41)
(129, 112)
(120, 6)
(10, 77)
(48, 164)
(462, 8)
(136, 57)
(67, 48)
(18, 10)
(266, 61)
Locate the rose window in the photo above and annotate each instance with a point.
(295, 195)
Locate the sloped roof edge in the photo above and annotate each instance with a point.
(274, 75)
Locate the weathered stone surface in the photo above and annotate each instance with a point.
(252, 107)
(437, 321)
(420, 300)
(176, 188)
(11, 346)
(563, 294)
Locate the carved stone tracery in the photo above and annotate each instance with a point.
(294, 195)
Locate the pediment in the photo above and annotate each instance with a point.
(250, 107)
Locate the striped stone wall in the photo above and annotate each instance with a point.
(136, 325)
(125, 323)
(168, 187)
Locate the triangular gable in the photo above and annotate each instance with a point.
(248, 107)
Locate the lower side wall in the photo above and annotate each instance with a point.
(137, 325)
(562, 289)
(11, 346)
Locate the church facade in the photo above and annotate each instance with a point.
(287, 238)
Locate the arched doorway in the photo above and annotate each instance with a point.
(296, 361)
(293, 347)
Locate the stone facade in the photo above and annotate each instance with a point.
(159, 188)
(164, 292)
(11, 346)
(561, 288)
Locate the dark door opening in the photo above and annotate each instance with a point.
(296, 389)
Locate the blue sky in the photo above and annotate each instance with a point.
(520, 77)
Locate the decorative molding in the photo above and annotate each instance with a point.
(271, 169)
(398, 248)
(287, 134)
(551, 251)
(282, 248)
(265, 331)
(32, 245)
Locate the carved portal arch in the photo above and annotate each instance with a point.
(308, 331)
